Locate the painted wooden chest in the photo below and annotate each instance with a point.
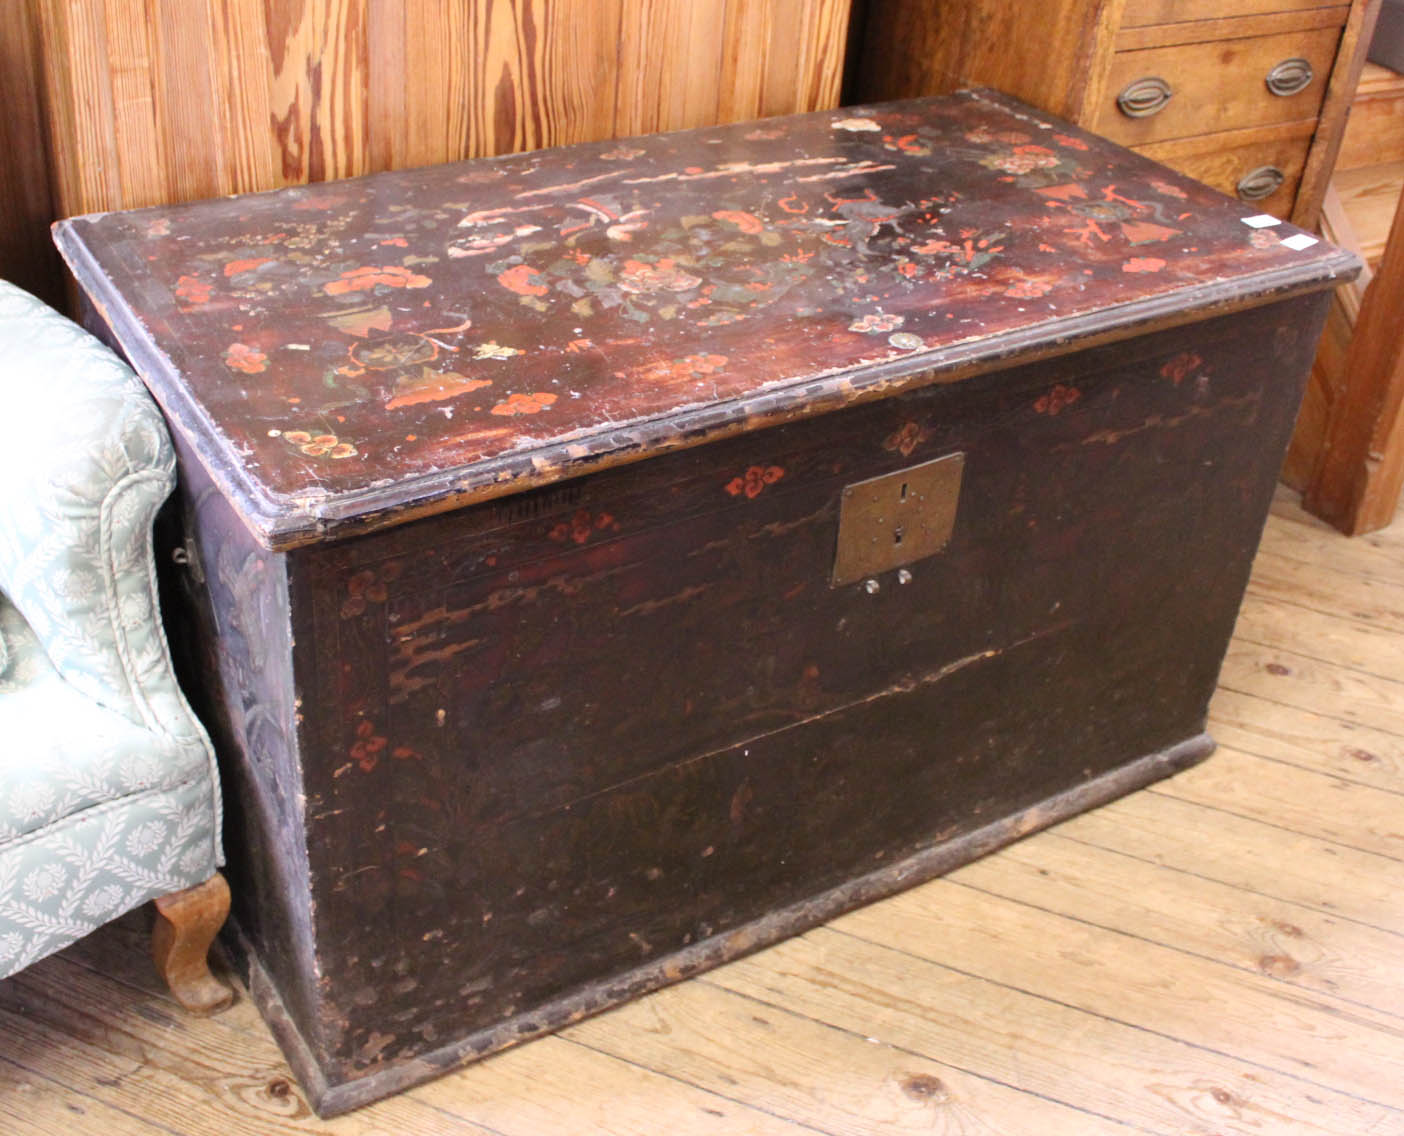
(607, 561)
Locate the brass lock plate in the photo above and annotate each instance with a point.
(896, 519)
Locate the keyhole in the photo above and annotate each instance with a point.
(897, 537)
(904, 491)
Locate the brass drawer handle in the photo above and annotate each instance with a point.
(1260, 183)
(1290, 76)
(1142, 98)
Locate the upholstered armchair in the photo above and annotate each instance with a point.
(109, 795)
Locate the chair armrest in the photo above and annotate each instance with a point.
(85, 462)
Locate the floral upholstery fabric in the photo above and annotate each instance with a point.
(108, 790)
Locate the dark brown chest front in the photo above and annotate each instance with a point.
(611, 560)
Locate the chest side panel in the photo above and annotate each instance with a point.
(236, 661)
(569, 734)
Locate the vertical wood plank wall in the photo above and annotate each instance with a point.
(27, 257)
(152, 101)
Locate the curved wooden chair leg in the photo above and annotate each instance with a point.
(186, 924)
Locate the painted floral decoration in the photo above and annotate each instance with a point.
(319, 445)
(875, 322)
(753, 482)
(905, 440)
(242, 357)
(524, 404)
(369, 277)
(1181, 367)
(1057, 400)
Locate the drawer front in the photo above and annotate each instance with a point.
(1245, 170)
(1208, 87)
(1144, 13)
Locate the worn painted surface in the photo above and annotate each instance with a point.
(342, 353)
(499, 766)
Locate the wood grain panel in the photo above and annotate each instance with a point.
(1140, 13)
(1051, 54)
(779, 55)
(1232, 27)
(78, 91)
(1375, 132)
(653, 92)
(168, 100)
(27, 257)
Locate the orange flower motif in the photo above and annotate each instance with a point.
(665, 276)
(366, 277)
(905, 440)
(524, 280)
(192, 291)
(1069, 141)
(746, 222)
(242, 357)
(581, 526)
(524, 404)
(1028, 289)
(318, 445)
(1143, 264)
(366, 748)
(1181, 367)
(680, 370)
(1058, 399)
(754, 480)
(368, 587)
(234, 267)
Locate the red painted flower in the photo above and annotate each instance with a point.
(1028, 289)
(234, 267)
(582, 526)
(665, 276)
(523, 280)
(905, 440)
(754, 480)
(1069, 141)
(192, 291)
(746, 222)
(524, 404)
(368, 276)
(1143, 264)
(368, 587)
(242, 357)
(876, 322)
(1058, 399)
(1181, 367)
(318, 445)
(367, 746)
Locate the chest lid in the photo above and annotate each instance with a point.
(346, 355)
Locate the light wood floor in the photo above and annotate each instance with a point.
(1220, 954)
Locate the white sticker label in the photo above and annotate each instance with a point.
(1299, 241)
(1261, 221)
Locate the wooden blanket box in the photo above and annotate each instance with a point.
(607, 561)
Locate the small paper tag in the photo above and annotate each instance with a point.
(1261, 221)
(1298, 241)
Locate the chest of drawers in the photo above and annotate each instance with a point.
(1249, 96)
(610, 560)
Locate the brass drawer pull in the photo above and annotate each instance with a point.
(1144, 97)
(1290, 76)
(1260, 183)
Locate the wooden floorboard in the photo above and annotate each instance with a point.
(1219, 955)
